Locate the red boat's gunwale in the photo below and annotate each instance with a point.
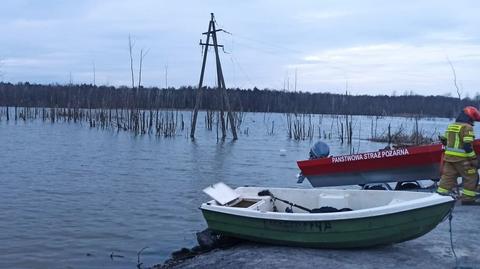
(417, 156)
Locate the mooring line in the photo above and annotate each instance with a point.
(450, 217)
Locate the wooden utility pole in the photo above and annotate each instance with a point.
(212, 32)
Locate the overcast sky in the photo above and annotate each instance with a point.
(369, 47)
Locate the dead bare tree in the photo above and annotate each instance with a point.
(166, 76)
(459, 92)
(458, 89)
(94, 74)
(1, 65)
(130, 48)
(142, 55)
(1, 77)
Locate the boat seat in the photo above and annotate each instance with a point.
(334, 200)
(244, 203)
(251, 203)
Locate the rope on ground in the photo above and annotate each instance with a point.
(450, 217)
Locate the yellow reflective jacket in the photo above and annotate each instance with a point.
(458, 134)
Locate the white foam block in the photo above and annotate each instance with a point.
(221, 193)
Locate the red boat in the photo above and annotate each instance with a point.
(396, 165)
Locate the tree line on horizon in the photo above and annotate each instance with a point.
(245, 100)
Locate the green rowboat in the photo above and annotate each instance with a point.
(373, 217)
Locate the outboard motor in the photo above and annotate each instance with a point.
(319, 150)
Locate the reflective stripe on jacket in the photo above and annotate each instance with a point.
(457, 135)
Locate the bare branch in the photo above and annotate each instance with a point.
(142, 55)
(94, 74)
(1, 65)
(166, 76)
(459, 93)
(139, 262)
(140, 69)
(130, 47)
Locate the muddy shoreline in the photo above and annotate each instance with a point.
(432, 250)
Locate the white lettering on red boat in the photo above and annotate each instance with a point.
(370, 155)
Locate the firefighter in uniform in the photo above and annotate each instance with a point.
(460, 158)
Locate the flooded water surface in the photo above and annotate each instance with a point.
(78, 197)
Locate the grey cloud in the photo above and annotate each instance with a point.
(270, 39)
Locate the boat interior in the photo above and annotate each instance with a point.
(282, 200)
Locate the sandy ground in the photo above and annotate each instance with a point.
(429, 251)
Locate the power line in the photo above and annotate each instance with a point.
(235, 61)
(262, 42)
(268, 44)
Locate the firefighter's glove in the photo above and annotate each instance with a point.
(443, 139)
